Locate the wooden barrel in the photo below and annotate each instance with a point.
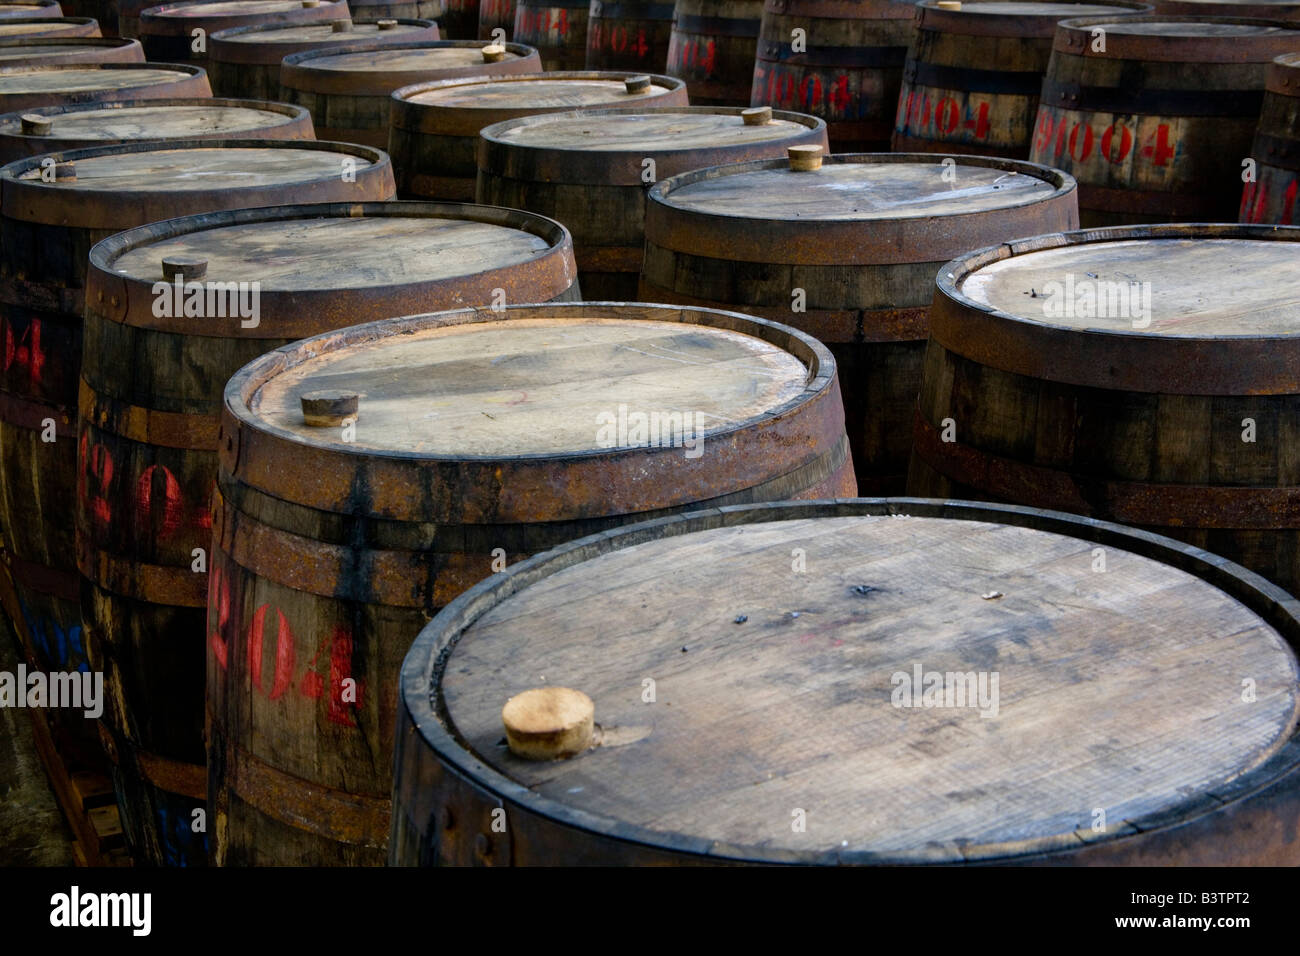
(50, 27)
(349, 90)
(897, 706)
(557, 28)
(845, 65)
(102, 11)
(17, 9)
(25, 87)
(128, 16)
(57, 51)
(1155, 129)
(145, 513)
(434, 127)
(1271, 196)
(712, 48)
(496, 15)
(1268, 9)
(567, 446)
(103, 124)
(629, 34)
(847, 253)
(459, 19)
(974, 72)
(1149, 379)
(590, 171)
(180, 32)
(245, 61)
(399, 9)
(47, 230)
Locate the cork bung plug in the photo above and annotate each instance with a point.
(33, 124)
(757, 115)
(636, 85)
(325, 408)
(494, 53)
(804, 158)
(548, 723)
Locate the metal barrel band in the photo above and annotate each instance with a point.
(148, 426)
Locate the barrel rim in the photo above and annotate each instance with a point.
(229, 34)
(819, 366)
(1073, 37)
(420, 677)
(191, 70)
(79, 21)
(522, 50)
(113, 42)
(403, 94)
(1035, 26)
(1217, 364)
(290, 111)
(152, 13)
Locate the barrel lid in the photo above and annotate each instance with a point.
(316, 32)
(1179, 39)
(26, 9)
(1284, 75)
(538, 90)
(86, 77)
(433, 56)
(534, 387)
(1025, 8)
(1185, 309)
(810, 698)
(153, 119)
(209, 9)
(38, 48)
(676, 128)
(36, 26)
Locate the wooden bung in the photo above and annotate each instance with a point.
(341, 26)
(387, 24)
(757, 116)
(35, 125)
(494, 53)
(187, 267)
(637, 84)
(805, 158)
(548, 723)
(326, 407)
(949, 4)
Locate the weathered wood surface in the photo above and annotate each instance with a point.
(349, 91)
(1267, 9)
(434, 127)
(245, 61)
(557, 28)
(589, 170)
(847, 253)
(50, 26)
(166, 31)
(101, 124)
(973, 75)
(445, 402)
(848, 73)
(496, 15)
(37, 8)
(711, 47)
(1155, 128)
(1176, 412)
(459, 19)
(1067, 764)
(1271, 195)
(401, 9)
(39, 51)
(24, 87)
(629, 34)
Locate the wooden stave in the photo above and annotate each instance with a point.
(406, 9)
(57, 26)
(942, 34)
(90, 50)
(460, 19)
(1220, 516)
(882, 344)
(651, 19)
(327, 814)
(609, 183)
(168, 37)
(1266, 199)
(320, 89)
(494, 15)
(442, 792)
(734, 39)
(15, 145)
(876, 59)
(445, 140)
(557, 28)
(194, 83)
(1234, 71)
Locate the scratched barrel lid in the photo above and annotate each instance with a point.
(49, 26)
(22, 86)
(1155, 37)
(937, 682)
(18, 51)
(410, 253)
(376, 70)
(921, 207)
(79, 127)
(103, 187)
(37, 8)
(1015, 18)
(270, 43)
(1182, 309)
(179, 19)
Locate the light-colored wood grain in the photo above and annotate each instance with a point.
(538, 91)
(1030, 9)
(170, 169)
(1120, 691)
(644, 131)
(38, 26)
(379, 251)
(319, 33)
(51, 51)
(1198, 286)
(150, 122)
(229, 8)
(1184, 29)
(380, 61)
(63, 80)
(535, 386)
(847, 191)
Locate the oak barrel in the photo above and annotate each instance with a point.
(1268, 9)
(151, 397)
(496, 15)
(50, 27)
(1155, 129)
(25, 87)
(629, 34)
(1271, 193)
(349, 90)
(434, 127)
(848, 253)
(180, 32)
(974, 72)
(842, 61)
(102, 124)
(399, 9)
(557, 28)
(946, 683)
(712, 46)
(459, 19)
(1142, 375)
(480, 437)
(590, 171)
(245, 61)
(47, 230)
(102, 11)
(26, 9)
(57, 51)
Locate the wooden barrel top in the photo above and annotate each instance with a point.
(47, 26)
(374, 69)
(533, 386)
(1284, 74)
(51, 9)
(83, 78)
(669, 128)
(778, 692)
(38, 50)
(318, 32)
(1014, 19)
(403, 59)
(1159, 38)
(1005, 8)
(541, 90)
(153, 119)
(205, 9)
(1219, 320)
